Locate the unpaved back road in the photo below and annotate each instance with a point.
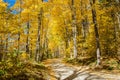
(61, 71)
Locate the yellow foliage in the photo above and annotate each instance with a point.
(24, 56)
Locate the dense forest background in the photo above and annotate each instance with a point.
(81, 31)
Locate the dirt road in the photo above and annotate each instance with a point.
(61, 71)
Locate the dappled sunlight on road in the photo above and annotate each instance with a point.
(62, 71)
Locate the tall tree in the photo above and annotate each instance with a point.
(94, 17)
(27, 40)
(74, 28)
(20, 4)
(38, 46)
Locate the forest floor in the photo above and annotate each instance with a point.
(58, 70)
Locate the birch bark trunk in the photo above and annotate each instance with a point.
(74, 30)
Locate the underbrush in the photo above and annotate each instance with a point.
(14, 69)
(22, 71)
(80, 61)
(111, 64)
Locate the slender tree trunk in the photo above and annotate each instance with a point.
(6, 48)
(98, 52)
(83, 21)
(46, 46)
(19, 27)
(19, 40)
(46, 42)
(66, 38)
(37, 55)
(74, 29)
(66, 47)
(1, 48)
(31, 48)
(6, 41)
(42, 44)
(75, 41)
(115, 33)
(27, 40)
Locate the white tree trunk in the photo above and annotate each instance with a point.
(74, 29)
(75, 41)
(98, 57)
